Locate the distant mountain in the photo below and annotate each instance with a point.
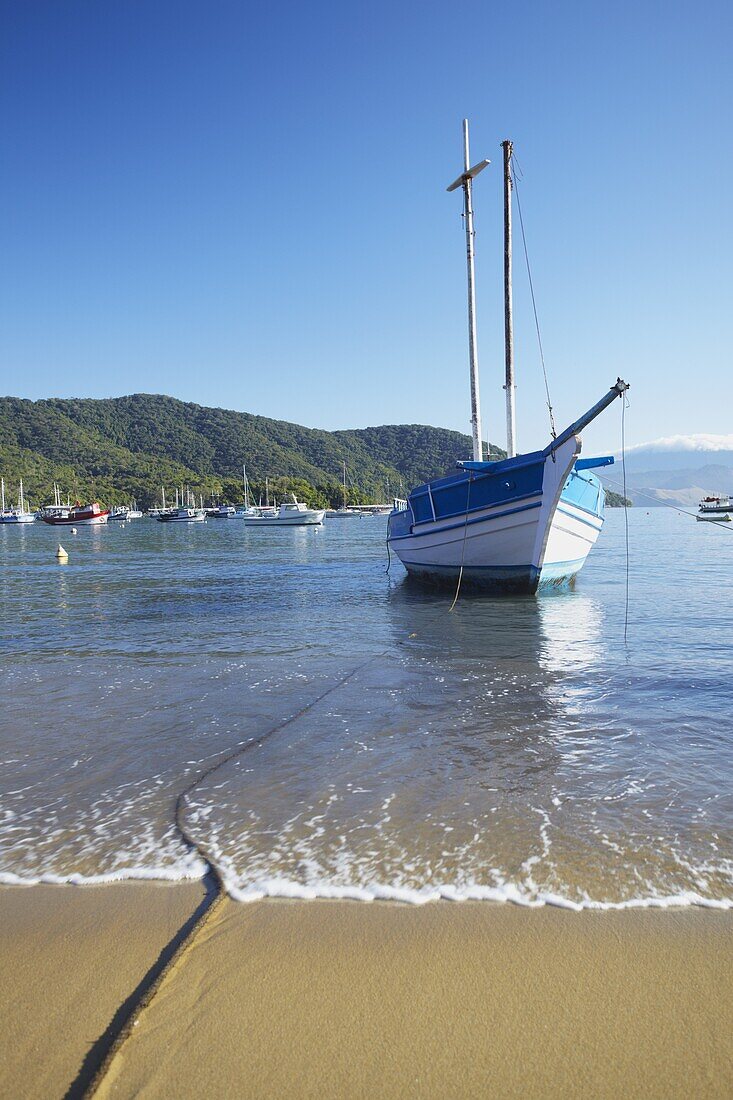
(677, 470)
(119, 448)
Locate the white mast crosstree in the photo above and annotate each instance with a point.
(465, 180)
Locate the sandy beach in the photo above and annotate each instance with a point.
(347, 999)
(69, 958)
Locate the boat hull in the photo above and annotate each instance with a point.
(76, 521)
(23, 517)
(298, 519)
(514, 526)
(198, 518)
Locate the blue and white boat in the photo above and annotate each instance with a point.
(19, 514)
(513, 525)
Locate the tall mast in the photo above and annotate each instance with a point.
(246, 488)
(2, 484)
(509, 385)
(465, 180)
(344, 484)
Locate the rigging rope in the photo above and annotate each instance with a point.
(515, 181)
(624, 406)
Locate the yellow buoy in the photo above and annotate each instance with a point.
(61, 554)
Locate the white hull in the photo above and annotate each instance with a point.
(539, 540)
(573, 534)
(22, 517)
(298, 519)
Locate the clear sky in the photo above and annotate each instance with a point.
(244, 205)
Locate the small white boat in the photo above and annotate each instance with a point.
(123, 512)
(182, 515)
(20, 513)
(289, 514)
(223, 511)
(375, 509)
(712, 506)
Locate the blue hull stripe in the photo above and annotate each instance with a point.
(478, 507)
(468, 522)
(505, 569)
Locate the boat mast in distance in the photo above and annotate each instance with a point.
(465, 180)
(509, 385)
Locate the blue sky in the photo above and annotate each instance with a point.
(245, 206)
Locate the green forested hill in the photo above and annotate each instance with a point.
(128, 447)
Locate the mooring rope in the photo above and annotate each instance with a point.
(463, 545)
(94, 1071)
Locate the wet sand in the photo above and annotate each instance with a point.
(69, 957)
(342, 999)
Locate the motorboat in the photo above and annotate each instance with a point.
(223, 511)
(290, 514)
(715, 505)
(181, 515)
(80, 515)
(124, 514)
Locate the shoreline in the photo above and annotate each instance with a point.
(338, 998)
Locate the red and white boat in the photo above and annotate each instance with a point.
(80, 514)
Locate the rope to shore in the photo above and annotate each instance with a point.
(98, 1062)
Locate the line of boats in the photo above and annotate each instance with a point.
(289, 513)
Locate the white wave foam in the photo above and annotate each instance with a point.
(284, 888)
(193, 871)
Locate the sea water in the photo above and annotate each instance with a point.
(513, 748)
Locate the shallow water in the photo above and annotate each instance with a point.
(514, 748)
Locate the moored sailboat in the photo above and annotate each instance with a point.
(344, 512)
(19, 514)
(527, 521)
